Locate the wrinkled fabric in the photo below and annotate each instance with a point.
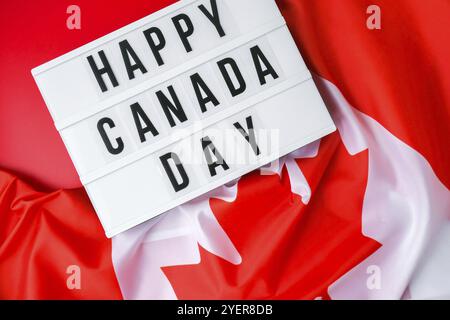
(42, 235)
(399, 75)
(374, 194)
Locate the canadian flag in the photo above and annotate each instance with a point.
(362, 214)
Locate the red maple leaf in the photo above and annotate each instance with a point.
(289, 250)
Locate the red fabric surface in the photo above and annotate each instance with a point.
(41, 235)
(399, 75)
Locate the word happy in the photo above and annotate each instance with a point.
(157, 42)
(169, 101)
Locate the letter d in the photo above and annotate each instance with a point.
(168, 167)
